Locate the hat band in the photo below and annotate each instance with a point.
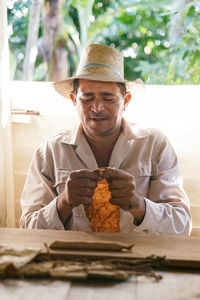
(110, 67)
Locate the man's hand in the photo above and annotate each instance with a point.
(79, 188)
(123, 190)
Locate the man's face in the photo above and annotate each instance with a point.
(100, 106)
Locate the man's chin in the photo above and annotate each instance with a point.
(98, 131)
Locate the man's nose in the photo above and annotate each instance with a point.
(97, 106)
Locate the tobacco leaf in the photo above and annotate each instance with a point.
(76, 269)
(103, 216)
(15, 255)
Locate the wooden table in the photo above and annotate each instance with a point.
(176, 284)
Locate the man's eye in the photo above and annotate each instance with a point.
(108, 99)
(86, 99)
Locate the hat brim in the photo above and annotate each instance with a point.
(65, 87)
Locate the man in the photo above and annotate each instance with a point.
(144, 180)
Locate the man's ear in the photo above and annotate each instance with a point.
(127, 99)
(73, 98)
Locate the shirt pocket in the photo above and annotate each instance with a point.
(61, 176)
(143, 171)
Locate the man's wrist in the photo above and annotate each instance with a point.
(139, 210)
(63, 208)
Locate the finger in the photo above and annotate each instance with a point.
(101, 172)
(125, 193)
(112, 174)
(82, 182)
(84, 173)
(104, 172)
(117, 184)
(87, 192)
(119, 193)
(76, 201)
(121, 202)
(115, 201)
(109, 172)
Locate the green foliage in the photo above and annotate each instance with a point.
(140, 29)
(180, 64)
(18, 26)
(137, 28)
(18, 18)
(13, 65)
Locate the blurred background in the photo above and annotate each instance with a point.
(159, 39)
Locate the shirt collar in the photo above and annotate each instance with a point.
(71, 136)
(129, 129)
(133, 130)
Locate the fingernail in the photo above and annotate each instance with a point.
(101, 171)
(111, 202)
(101, 174)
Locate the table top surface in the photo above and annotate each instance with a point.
(173, 286)
(173, 247)
(176, 283)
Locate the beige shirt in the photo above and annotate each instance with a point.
(145, 153)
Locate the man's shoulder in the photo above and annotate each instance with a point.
(68, 136)
(141, 131)
(148, 137)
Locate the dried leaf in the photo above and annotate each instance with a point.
(103, 216)
(18, 256)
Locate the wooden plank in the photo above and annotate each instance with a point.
(178, 250)
(35, 289)
(174, 286)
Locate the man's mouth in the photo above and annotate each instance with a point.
(98, 119)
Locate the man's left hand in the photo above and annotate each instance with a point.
(123, 190)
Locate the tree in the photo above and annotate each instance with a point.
(141, 29)
(180, 64)
(18, 18)
(51, 45)
(31, 45)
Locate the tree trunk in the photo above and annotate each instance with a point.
(51, 46)
(58, 66)
(31, 45)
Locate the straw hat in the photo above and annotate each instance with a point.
(97, 62)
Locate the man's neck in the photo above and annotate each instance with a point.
(102, 147)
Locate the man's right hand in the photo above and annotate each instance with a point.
(79, 189)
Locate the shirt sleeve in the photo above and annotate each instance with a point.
(167, 205)
(39, 200)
